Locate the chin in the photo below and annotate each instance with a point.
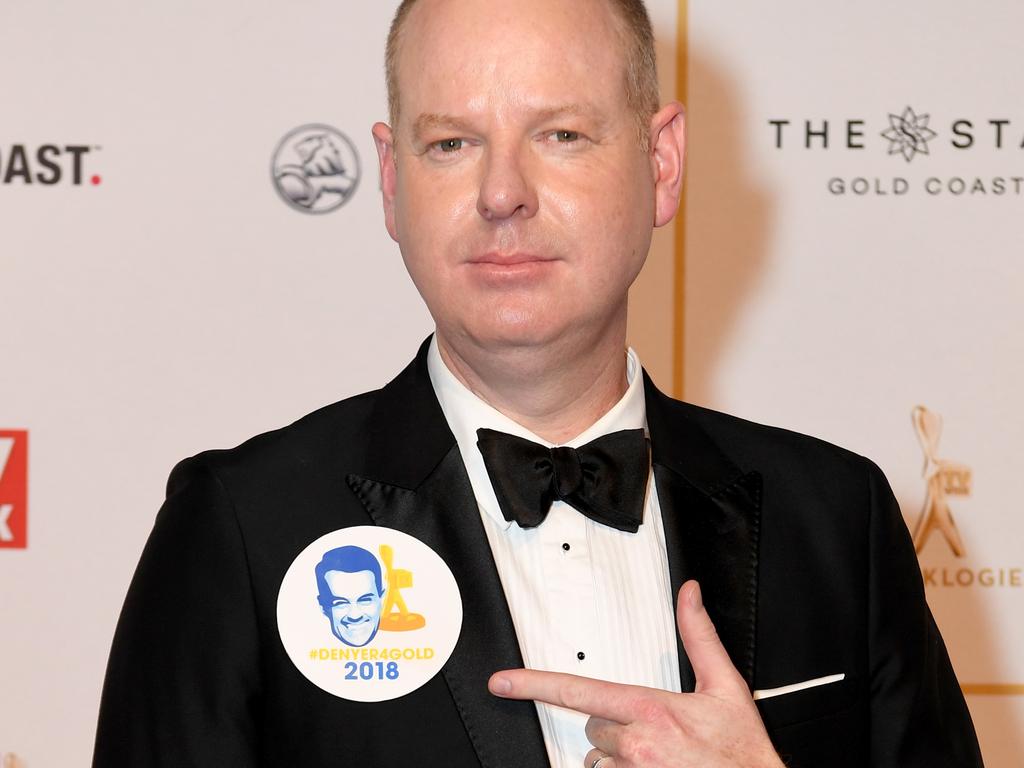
(357, 639)
(512, 326)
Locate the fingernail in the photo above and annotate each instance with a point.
(501, 685)
(695, 596)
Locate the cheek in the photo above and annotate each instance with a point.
(603, 197)
(433, 216)
(608, 224)
(430, 201)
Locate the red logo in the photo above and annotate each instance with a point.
(13, 489)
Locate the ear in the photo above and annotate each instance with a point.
(384, 139)
(668, 154)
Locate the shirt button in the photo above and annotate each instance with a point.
(581, 655)
(565, 546)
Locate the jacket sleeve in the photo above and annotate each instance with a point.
(918, 713)
(182, 685)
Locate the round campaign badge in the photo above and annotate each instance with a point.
(369, 613)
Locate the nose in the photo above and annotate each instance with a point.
(506, 189)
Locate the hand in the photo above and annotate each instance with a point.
(717, 725)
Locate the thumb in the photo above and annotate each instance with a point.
(712, 666)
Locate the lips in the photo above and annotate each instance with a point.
(508, 259)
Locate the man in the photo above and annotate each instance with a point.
(524, 168)
(350, 589)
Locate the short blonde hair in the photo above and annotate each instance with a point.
(641, 62)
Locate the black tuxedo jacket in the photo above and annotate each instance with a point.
(805, 564)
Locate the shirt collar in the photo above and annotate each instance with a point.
(466, 413)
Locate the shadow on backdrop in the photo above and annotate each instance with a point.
(728, 222)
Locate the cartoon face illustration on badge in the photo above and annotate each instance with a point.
(351, 592)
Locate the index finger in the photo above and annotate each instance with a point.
(612, 701)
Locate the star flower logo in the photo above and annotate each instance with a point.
(908, 134)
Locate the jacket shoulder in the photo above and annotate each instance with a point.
(334, 435)
(760, 446)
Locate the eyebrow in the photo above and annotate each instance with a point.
(576, 109)
(433, 120)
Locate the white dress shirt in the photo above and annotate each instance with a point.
(585, 598)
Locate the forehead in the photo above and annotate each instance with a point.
(483, 56)
(343, 584)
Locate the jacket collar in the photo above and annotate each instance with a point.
(711, 511)
(408, 433)
(681, 445)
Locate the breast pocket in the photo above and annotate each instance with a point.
(810, 703)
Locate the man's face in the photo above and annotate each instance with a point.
(523, 201)
(355, 607)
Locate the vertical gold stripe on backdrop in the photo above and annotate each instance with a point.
(679, 281)
(992, 689)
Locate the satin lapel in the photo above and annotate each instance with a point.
(711, 514)
(418, 484)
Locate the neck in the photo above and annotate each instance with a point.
(555, 390)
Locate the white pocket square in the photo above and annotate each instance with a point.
(768, 693)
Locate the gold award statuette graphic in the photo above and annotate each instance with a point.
(395, 616)
(944, 478)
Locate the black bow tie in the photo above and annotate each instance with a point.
(606, 479)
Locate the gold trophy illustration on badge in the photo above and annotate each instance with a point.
(944, 478)
(395, 616)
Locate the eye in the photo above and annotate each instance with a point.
(566, 136)
(447, 146)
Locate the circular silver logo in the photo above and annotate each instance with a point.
(315, 168)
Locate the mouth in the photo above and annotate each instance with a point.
(508, 259)
(500, 268)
